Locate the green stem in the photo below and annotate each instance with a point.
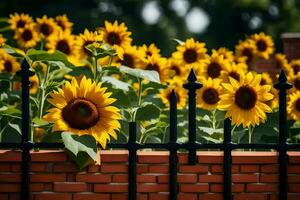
(95, 68)
(139, 100)
(42, 94)
(42, 45)
(250, 131)
(214, 118)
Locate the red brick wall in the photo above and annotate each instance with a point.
(55, 177)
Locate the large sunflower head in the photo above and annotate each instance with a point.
(246, 51)
(244, 100)
(295, 65)
(115, 34)
(18, 21)
(27, 37)
(8, 63)
(213, 68)
(159, 64)
(84, 108)
(281, 62)
(62, 41)
(191, 53)
(130, 57)
(86, 38)
(226, 53)
(150, 50)
(264, 45)
(208, 96)
(63, 22)
(293, 106)
(46, 26)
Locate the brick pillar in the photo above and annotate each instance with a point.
(291, 45)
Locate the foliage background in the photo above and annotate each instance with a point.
(229, 20)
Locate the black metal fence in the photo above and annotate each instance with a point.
(192, 145)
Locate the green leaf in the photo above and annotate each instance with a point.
(78, 71)
(116, 83)
(147, 111)
(111, 69)
(211, 131)
(153, 139)
(178, 41)
(12, 51)
(149, 75)
(11, 133)
(10, 110)
(78, 144)
(39, 122)
(101, 51)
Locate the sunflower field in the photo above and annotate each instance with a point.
(87, 87)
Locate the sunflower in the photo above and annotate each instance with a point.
(295, 80)
(245, 49)
(130, 57)
(27, 37)
(115, 34)
(234, 71)
(226, 53)
(84, 39)
(264, 45)
(46, 27)
(63, 22)
(8, 63)
(150, 50)
(159, 64)
(213, 68)
(208, 96)
(282, 63)
(62, 41)
(181, 94)
(295, 65)
(191, 53)
(293, 106)
(244, 100)
(18, 21)
(2, 40)
(34, 84)
(84, 108)
(176, 69)
(266, 79)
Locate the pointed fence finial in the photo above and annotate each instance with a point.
(282, 82)
(192, 83)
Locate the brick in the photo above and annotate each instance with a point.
(158, 197)
(110, 188)
(114, 156)
(93, 168)
(295, 188)
(269, 168)
(220, 187)
(193, 168)
(245, 196)
(36, 187)
(10, 187)
(52, 196)
(254, 157)
(210, 178)
(4, 167)
(3, 196)
(16, 167)
(10, 178)
(150, 158)
(293, 196)
(210, 157)
(294, 178)
(245, 178)
(261, 187)
(159, 169)
(114, 168)
(294, 157)
(48, 156)
(10, 156)
(117, 196)
(211, 196)
(93, 178)
(194, 187)
(37, 167)
(71, 177)
(69, 187)
(142, 169)
(152, 188)
(293, 169)
(120, 178)
(249, 168)
(90, 196)
(142, 197)
(269, 178)
(46, 178)
(219, 168)
(65, 167)
(146, 178)
(184, 196)
(182, 158)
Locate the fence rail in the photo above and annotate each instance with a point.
(172, 146)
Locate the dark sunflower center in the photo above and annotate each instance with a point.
(234, 75)
(261, 45)
(297, 84)
(46, 29)
(21, 23)
(27, 35)
(8, 66)
(263, 81)
(278, 64)
(214, 70)
(148, 53)
(113, 38)
(80, 114)
(210, 96)
(128, 60)
(190, 56)
(297, 105)
(61, 24)
(245, 98)
(175, 68)
(248, 53)
(86, 43)
(296, 68)
(152, 67)
(63, 46)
